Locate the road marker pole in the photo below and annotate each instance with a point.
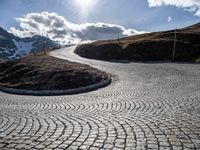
(174, 47)
(43, 47)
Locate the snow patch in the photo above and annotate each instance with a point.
(23, 48)
(2, 37)
(4, 50)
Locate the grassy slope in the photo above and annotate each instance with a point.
(147, 47)
(43, 72)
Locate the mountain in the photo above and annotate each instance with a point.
(12, 47)
(155, 46)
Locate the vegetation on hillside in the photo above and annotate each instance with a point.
(43, 72)
(156, 46)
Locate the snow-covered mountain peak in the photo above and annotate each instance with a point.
(12, 47)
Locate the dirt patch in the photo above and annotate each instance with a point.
(42, 72)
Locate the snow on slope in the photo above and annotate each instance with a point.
(13, 47)
(23, 48)
(2, 37)
(4, 50)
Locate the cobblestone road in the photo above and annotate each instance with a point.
(148, 106)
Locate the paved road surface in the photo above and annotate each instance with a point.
(147, 106)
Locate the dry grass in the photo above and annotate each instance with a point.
(43, 72)
(147, 47)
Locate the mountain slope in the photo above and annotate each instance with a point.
(12, 47)
(148, 47)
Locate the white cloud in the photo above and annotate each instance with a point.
(169, 19)
(59, 29)
(192, 6)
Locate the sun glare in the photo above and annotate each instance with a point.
(85, 6)
(84, 3)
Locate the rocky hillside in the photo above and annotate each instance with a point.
(12, 47)
(155, 46)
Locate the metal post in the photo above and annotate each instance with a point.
(174, 48)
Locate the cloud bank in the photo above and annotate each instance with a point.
(192, 6)
(63, 31)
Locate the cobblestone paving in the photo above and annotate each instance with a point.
(148, 106)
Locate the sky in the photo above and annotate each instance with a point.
(85, 20)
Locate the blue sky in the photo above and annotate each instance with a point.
(130, 13)
(134, 14)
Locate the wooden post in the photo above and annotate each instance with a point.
(118, 40)
(43, 46)
(174, 47)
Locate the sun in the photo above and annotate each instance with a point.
(84, 3)
(85, 6)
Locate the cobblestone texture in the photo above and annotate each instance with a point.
(148, 106)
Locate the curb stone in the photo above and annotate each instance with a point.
(58, 92)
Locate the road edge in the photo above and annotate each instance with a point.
(58, 92)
